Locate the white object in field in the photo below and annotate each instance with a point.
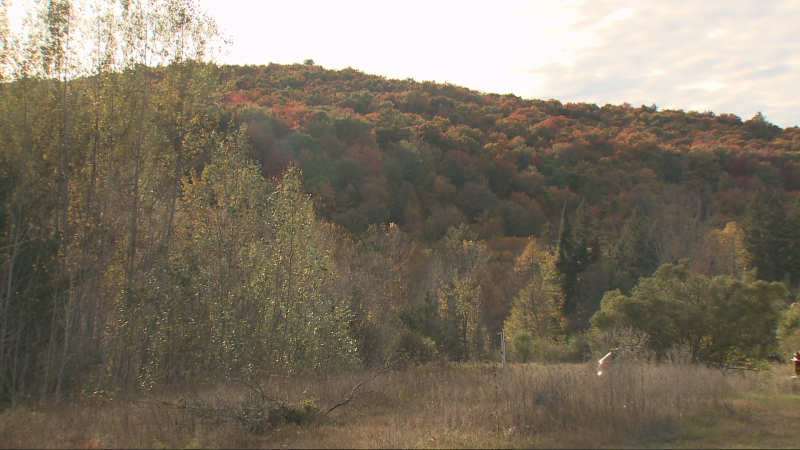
(602, 361)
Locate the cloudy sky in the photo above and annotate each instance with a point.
(733, 56)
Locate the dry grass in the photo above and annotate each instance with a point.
(451, 405)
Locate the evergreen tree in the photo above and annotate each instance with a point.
(566, 267)
(792, 247)
(591, 273)
(777, 236)
(766, 237)
(585, 237)
(755, 232)
(634, 253)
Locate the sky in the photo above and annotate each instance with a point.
(732, 56)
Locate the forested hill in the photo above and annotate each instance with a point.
(166, 220)
(428, 156)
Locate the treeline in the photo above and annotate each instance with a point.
(140, 245)
(168, 220)
(429, 156)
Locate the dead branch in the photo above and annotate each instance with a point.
(366, 380)
(257, 390)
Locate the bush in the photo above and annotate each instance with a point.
(522, 344)
(298, 413)
(720, 320)
(789, 332)
(411, 346)
(260, 417)
(525, 348)
(569, 351)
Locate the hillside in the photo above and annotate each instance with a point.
(166, 221)
(427, 156)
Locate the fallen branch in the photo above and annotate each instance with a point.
(258, 391)
(366, 380)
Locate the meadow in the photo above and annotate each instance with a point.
(438, 405)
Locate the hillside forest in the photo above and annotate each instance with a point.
(165, 219)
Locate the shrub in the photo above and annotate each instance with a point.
(523, 346)
(720, 320)
(789, 331)
(411, 346)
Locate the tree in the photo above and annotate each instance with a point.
(789, 331)
(728, 254)
(224, 213)
(391, 125)
(535, 307)
(766, 237)
(761, 128)
(378, 273)
(792, 247)
(720, 320)
(308, 320)
(566, 265)
(634, 254)
(453, 279)
(586, 245)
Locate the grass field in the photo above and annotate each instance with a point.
(438, 405)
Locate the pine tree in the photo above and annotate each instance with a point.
(754, 227)
(777, 236)
(566, 267)
(634, 253)
(766, 237)
(585, 237)
(792, 246)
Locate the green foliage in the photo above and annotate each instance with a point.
(771, 238)
(792, 244)
(586, 246)
(141, 246)
(721, 320)
(297, 413)
(526, 348)
(422, 317)
(761, 128)
(522, 343)
(259, 415)
(455, 282)
(298, 278)
(410, 346)
(634, 253)
(764, 226)
(251, 288)
(789, 332)
(566, 265)
(391, 126)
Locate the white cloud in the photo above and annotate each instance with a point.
(735, 56)
(620, 14)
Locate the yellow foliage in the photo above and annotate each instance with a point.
(534, 308)
(727, 247)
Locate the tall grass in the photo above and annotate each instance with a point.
(435, 405)
(631, 399)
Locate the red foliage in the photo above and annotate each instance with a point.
(368, 157)
(743, 165)
(294, 114)
(276, 162)
(236, 98)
